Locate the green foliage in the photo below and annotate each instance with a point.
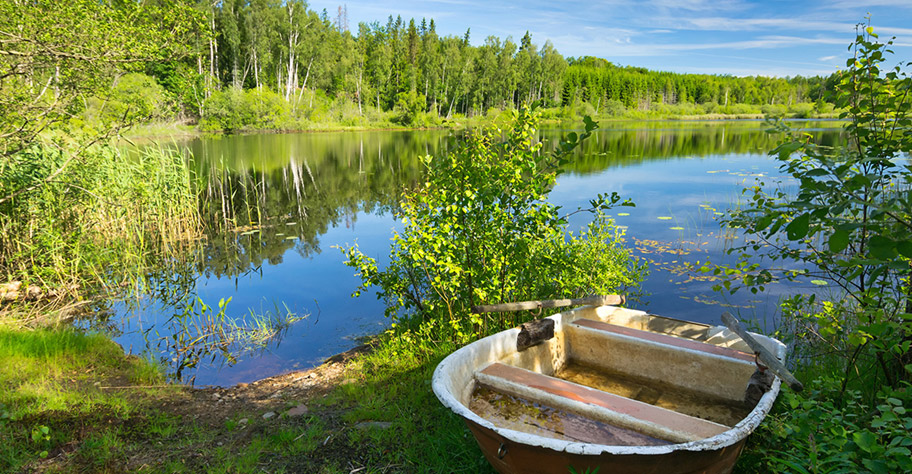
(828, 430)
(848, 224)
(134, 98)
(234, 110)
(409, 105)
(480, 230)
(55, 53)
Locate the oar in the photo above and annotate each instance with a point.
(602, 300)
(765, 356)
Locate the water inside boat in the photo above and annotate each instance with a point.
(509, 411)
(654, 392)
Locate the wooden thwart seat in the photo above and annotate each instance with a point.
(624, 412)
(665, 339)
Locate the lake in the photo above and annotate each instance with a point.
(276, 207)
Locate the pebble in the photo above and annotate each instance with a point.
(242, 421)
(242, 385)
(268, 415)
(298, 410)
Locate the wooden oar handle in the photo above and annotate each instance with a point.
(765, 356)
(598, 300)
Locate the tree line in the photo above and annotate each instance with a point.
(291, 51)
(235, 64)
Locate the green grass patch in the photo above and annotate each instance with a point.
(53, 395)
(393, 384)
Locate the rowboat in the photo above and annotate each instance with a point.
(613, 391)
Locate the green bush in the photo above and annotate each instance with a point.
(828, 430)
(843, 220)
(234, 109)
(774, 110)
(802, 110)
(409, 105)
(269, 110)
(134, 98)
(613, 108)
(480, 230)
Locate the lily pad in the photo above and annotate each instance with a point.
(819, 282)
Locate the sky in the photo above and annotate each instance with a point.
(735, 37)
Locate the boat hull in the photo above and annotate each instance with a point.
(509, 457)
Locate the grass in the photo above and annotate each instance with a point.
(57, 414)
(393, 384)
(48, 384)
(67, 404)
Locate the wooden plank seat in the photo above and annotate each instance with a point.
(665, 339)
(603, 406)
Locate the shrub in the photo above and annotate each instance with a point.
(803, 110)
(828, 430)
(409, 105)
(226, 110)
(234, 109)
(480, 230)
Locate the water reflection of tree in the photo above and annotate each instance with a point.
(261, 196)
(610, 148)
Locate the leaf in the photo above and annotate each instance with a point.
(905, 248)
(798, 228)
(865, 440)
(839, 240)
(881, 248)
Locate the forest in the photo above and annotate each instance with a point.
(276, 64)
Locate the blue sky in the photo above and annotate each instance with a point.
(737, 37)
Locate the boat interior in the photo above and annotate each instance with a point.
(616, 377)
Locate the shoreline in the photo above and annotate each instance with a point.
(185, 130)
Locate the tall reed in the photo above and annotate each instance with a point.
(105, 222)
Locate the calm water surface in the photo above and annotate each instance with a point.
(277, 206)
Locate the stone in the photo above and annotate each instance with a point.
(298, 410)
(268, 415)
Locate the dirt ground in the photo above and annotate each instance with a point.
(214, 406)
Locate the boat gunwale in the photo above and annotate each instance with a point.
(444, 392)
